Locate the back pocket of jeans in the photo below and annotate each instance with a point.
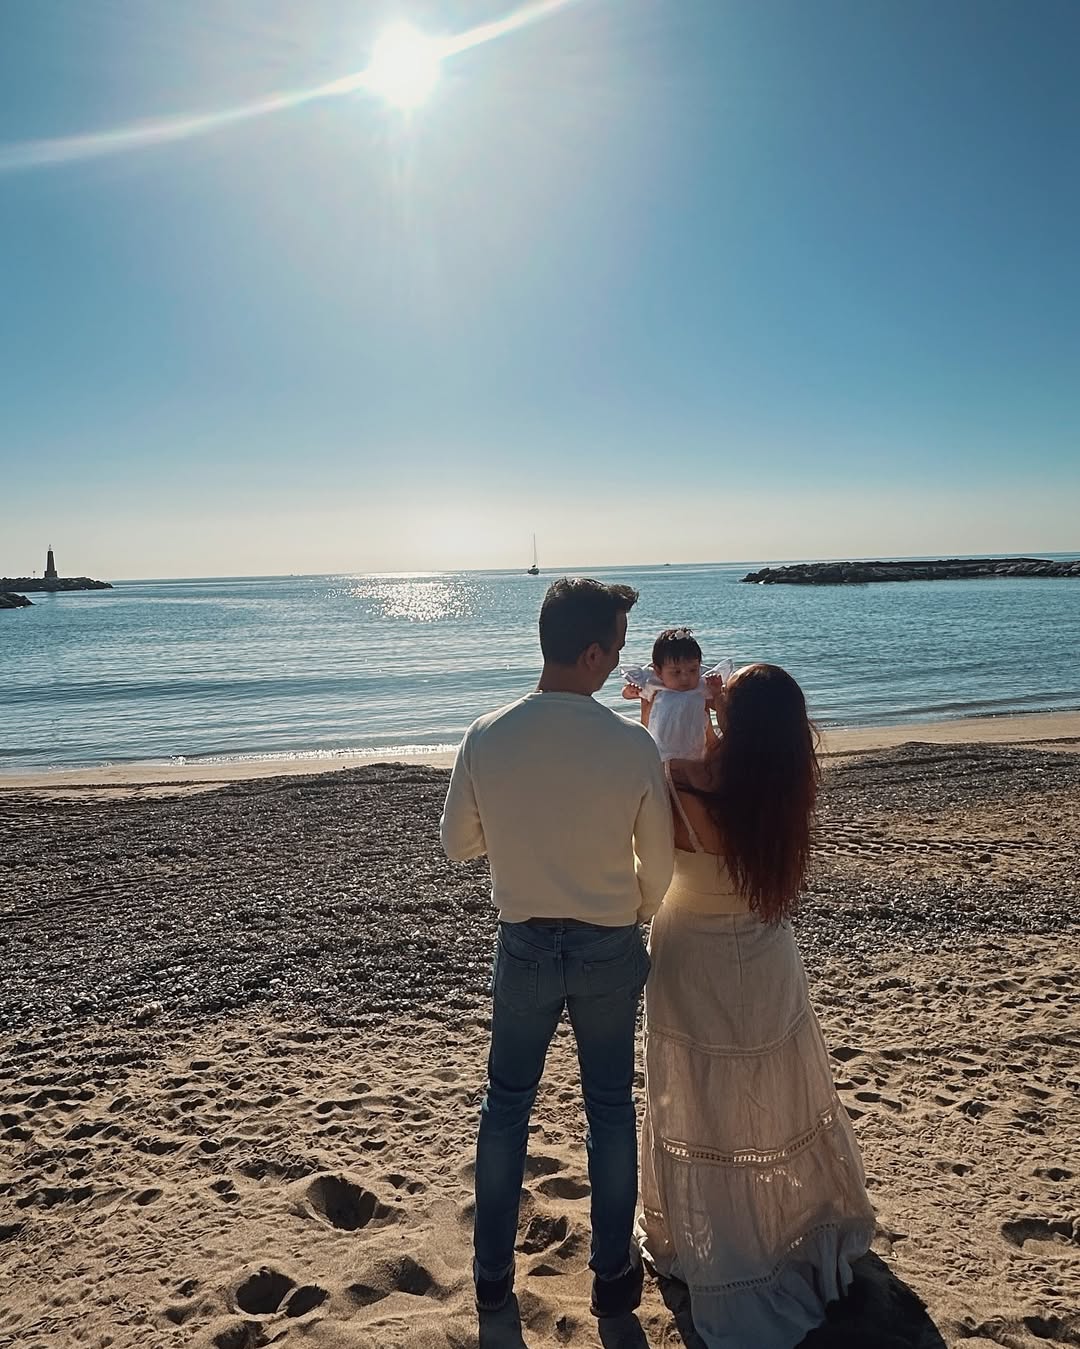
(624, 973)
(515, 980)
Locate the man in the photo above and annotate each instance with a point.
(570, 804)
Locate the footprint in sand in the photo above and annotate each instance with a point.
(407, 1183)
(538, 1165)
(544, 1231)
(975, 1109)
(343, 1204)
(1054, 1173)
(1042, 1234)
(257, 1167)
(239, 1335)
(401, 1275)
(179, 1312)
(84, 1130)
(563, 1187)
(1031, 1121)
(347, 1106)
(305, 1299)
(544, 1269)
(262, 1292)
(158, 1147)
(875, 1098)
(51, 1195)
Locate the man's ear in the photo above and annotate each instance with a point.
(592, 655)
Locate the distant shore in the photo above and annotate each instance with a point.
(1045, 730)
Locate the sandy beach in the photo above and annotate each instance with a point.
(243, 1028)
(1047, 730)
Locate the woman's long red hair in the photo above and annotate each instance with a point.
(759, 785)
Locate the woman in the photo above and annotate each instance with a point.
(751, 1179)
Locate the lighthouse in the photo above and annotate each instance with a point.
(50, 567)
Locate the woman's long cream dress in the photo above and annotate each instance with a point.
(752, 1184)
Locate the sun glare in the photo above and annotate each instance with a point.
(404, 66)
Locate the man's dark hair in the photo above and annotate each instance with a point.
(577, 612)
(675, 644)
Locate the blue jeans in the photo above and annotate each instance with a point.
(597, 973)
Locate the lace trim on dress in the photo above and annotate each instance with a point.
(731, 1051)
(748, 1156)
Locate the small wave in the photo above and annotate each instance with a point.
(319, 755)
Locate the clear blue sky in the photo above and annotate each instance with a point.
(656, 279)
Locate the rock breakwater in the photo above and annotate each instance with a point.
(945, 569)
(41, 583)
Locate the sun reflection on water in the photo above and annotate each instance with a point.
(414, 599)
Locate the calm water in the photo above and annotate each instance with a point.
(325, 664)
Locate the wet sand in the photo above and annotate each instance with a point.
(242, 1040)
(1048, 730)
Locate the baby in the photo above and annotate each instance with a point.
(676, 696)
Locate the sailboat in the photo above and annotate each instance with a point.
(534, 570)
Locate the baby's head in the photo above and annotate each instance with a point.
(676, 658)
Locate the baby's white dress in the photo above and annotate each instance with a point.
(677, 718)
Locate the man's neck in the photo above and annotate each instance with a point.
(565, 679)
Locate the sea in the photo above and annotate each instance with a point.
(270, 667)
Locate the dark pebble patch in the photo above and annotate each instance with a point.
(330, 893)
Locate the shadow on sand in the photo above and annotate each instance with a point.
(502, 1330)
(879, 1312)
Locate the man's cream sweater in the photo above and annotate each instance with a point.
(570, 804)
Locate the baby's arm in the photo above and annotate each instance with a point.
(637, 684)
(711, 738)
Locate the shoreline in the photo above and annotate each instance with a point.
(1058, 731)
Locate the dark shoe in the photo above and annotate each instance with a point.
(492, 1295)
(619, 1296)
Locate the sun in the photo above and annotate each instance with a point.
(404, 66)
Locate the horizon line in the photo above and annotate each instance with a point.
(1048, 554)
